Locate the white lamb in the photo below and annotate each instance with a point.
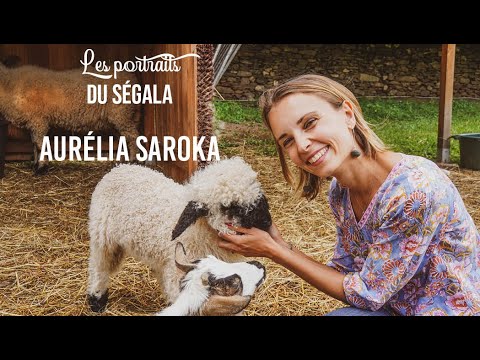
(136, 211)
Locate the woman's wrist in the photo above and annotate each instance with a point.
(280, 252)
(284, 243)
(279, 244)
(279, 247)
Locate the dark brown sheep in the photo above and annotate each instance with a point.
(38, 99)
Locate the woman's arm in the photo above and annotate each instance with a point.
(255, 242)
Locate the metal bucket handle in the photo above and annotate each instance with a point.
(459, 136)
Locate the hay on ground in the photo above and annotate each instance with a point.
(44, 245)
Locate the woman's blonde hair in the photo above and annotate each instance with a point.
(335, 94)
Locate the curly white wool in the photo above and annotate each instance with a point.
(235, 182)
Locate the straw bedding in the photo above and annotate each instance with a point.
(44, 243)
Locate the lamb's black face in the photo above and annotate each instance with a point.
(257, 216)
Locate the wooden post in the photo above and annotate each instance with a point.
(180, 117)
(446, 102)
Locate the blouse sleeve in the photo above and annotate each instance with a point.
(398, 248)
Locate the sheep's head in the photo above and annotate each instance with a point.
(214, 287)
(226, 192)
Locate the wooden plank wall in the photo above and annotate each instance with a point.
(175, 120)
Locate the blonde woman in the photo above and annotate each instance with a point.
(406, 244)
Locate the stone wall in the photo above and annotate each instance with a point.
(366, 69)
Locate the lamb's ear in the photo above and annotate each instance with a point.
(190, 214)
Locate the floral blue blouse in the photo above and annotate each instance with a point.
(415, 251)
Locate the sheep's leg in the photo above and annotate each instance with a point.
(158, 274)
(170, 282)
(39, 166)
(35, 150)
(131, 133)
(165, 281)
(104, 261)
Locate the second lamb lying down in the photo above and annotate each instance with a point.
(213, 287)
(136, 211)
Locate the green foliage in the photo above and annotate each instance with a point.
(411, 126)
(405, 125)
(237, 112)
(265, 147)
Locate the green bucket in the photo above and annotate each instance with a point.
(469, 150)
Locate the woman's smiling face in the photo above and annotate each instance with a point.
(316, 135)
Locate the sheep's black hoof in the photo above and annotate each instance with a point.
(150, 164)
(98, 304)
(40, 170)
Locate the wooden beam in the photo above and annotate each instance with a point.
(180, 117)
(446, 102)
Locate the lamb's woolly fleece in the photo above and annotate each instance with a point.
(138, 207)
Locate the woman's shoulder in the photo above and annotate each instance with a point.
(419, 162)
(418, 172)
(414, 178)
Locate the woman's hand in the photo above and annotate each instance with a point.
(251, 242)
